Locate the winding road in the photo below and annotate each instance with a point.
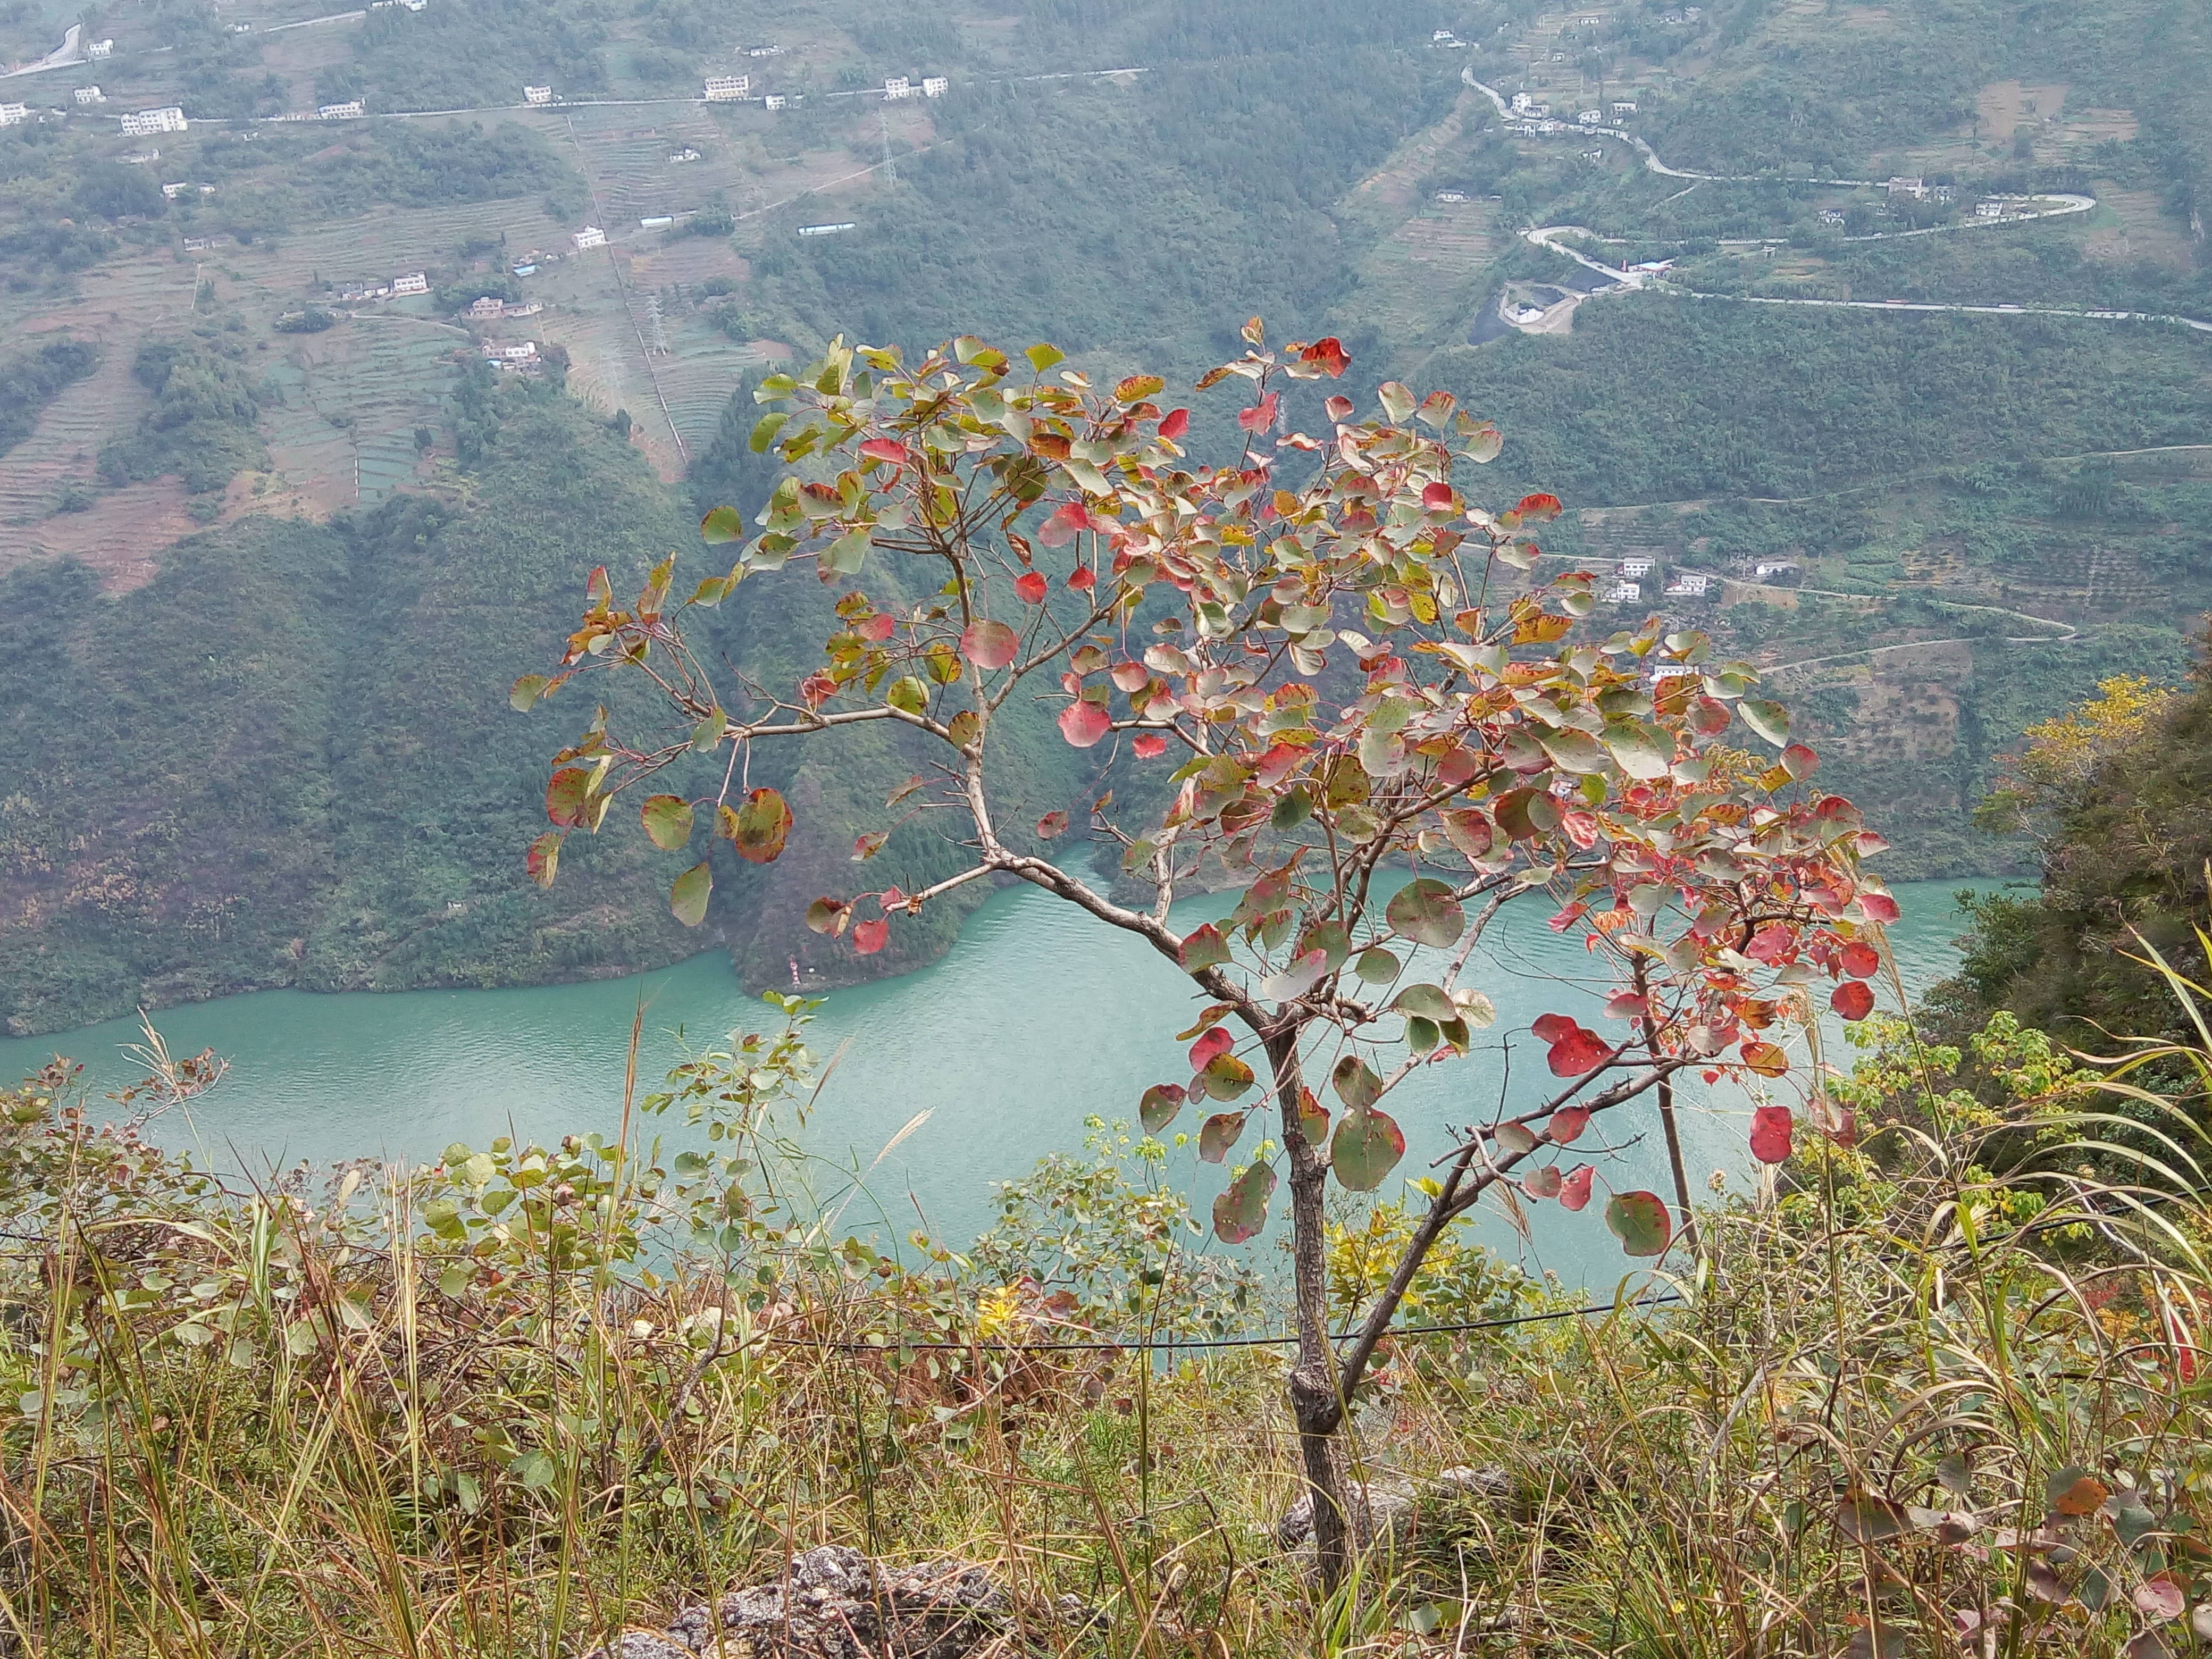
(2062, 205)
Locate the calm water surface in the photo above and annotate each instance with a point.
(1035, 1019)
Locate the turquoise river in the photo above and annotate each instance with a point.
(1035, 1020)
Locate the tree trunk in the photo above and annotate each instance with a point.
(1316, 1405)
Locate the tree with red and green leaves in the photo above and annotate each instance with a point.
(1337, 679)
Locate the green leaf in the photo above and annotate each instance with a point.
(1205, 948)
(722, 525)
(1217, 1134)
(1422, 1035)
(1376, 965)
(709, 731)
(845, 556)
(1159, 1106)
(1425, 911)
(1428, 1001)
(1043, 357)
(667, 820)
(1293, 808)
(1365, 1148)
(908, 695)
(688, 897)
(1770, 720)
(1643, 751)
(764, 431)
(525, 692)
(1355, 1083)
(1242, 1211)
(1572, 750)
(1640, 1221)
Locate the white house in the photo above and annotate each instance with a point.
(657, 222)
(1522, 103)
(1687, 584)
(827, 230)
(687, 154)
(1990, 209)
(1831, 216)
(776, 100)
(148, 121)
(1767, 569)
(101, 49)
(414, 282)
(528, 308)
(136, 158)
(1451, 196)
(1672, 671)
(1590, 118)
(350, 110)
(1624, 107)
(538, 95)
(898, 85)
(1916, 188)
(935, 86)
(486, 305)
(763, 52)
(90, 95)
(1635, 568)
(1624, 593)
(590, 236)
(727, 88)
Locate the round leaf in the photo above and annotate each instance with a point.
(1159, 1106)
(1425, 911)
(989, 644)
(1770, 720)
(1575, 1190)
(1083, 723)
(1377, 966)
(1217, 1134)
(1365, 1148)
(1639, 1220)
(1853, 999)
(688, 897)
(1355, 1083)
(667, 820)
(1429, 1002)
(1242, 1210)
(760, 827)
(1770, 1134)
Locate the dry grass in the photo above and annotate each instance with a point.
(1903, 1407)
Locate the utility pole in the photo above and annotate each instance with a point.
(891, 168)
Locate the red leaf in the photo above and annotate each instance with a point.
(1177, 422)
(1052, 824)
(1083, 578)
(885, 449)
(566, 792)
(1575, 1190)
(1853, 999)
(1261, 415)
(1550, 1028)
(1215, 1042)
(1709, 717)
(1150, 746)
(1578, 1053)
(1439, 496)
(1339, 408)
(1770, 1134)
(1328, 354)
(870, 936)
(989, 644)
(1770, 943)
(1861, 960)
(1799, 760)
(878, 628)
(1535, 509)
(1063, 526)
(1567, 1124)
(1544, 1182)
(1879, 907)
(1083, 723)
(816, 689)
(1030, 585)
(1626, 1004)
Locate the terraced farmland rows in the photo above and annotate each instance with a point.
(381, 245)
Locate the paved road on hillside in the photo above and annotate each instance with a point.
(2064, 204)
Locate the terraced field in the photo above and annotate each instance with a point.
(378, 246)
(349, 403)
